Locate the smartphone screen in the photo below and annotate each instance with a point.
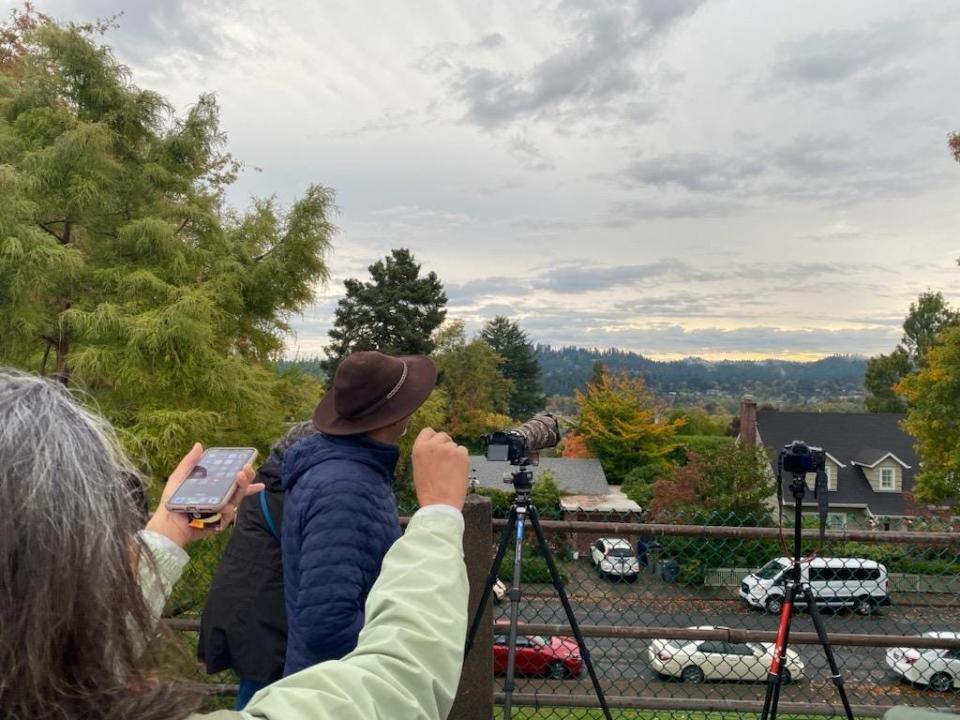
(212, 482)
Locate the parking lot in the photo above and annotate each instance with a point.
(623, 665)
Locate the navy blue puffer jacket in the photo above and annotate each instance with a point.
(339, 520)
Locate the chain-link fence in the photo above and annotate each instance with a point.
(680, 620)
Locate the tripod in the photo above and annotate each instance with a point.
(795, 585)
(520, 510)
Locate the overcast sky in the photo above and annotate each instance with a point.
(721, 178)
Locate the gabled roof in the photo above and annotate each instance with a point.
(847, 438)
(575, 476)
(871, 457)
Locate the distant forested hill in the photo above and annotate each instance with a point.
(567, 369)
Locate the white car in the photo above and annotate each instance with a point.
(615, 556)
(937, 669)
(695, 661)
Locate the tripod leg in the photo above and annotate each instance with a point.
(491, 579)
(828, 650)
(775, 677)
(565, 601)
(520, 514)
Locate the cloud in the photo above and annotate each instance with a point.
(529, 154)
(837, 56)
(695, 172)
(586, 72)
(579, 278)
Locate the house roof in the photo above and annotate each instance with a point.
(615, 502)
(863, 438)
(574, 476)
(871, 457)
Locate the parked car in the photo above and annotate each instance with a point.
(836, 582)
(939, 670)
(556, 657)
(615, 557)
(695, 661)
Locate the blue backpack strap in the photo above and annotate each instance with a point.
(266, 515)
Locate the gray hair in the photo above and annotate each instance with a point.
(74, 619)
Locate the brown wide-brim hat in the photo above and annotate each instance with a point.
(371, 390)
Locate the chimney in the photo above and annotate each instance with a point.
(748, 422)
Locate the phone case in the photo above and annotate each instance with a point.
(200, 510)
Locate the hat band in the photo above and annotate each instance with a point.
(384, 400)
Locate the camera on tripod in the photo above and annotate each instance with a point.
(798, 458)
(522, 445)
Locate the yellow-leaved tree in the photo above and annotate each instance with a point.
(621, 424)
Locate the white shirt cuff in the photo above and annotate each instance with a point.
(441, 510)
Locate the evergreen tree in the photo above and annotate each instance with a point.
(395, 312)
(121, 270)
(518, 363)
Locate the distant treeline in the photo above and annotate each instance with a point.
(569, 368)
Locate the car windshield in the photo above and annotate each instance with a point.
(620, 552)
(770, 570)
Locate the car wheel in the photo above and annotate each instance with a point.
(774, 605)
(557, 671)
(864, 606)
(692, 675)
(941, 682)
(785, 677)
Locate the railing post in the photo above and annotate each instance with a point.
(474, 699)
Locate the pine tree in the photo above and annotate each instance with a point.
(395, 312)
(123, 273)
(518, 363)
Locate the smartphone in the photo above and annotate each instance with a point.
(210, 485)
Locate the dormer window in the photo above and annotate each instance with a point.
(831, 477)
(888, 478)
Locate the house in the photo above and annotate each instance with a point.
(870, 461)
(587, 495)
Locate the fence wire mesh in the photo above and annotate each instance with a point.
(642, 598)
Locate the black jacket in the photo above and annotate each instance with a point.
(244, 624)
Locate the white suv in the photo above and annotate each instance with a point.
(615, 557)
(836, 582)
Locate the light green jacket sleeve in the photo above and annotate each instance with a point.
(409, 654)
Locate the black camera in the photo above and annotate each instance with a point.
(798, 458)
(521, 445)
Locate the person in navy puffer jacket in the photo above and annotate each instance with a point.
(339, 512)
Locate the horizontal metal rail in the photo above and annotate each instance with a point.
(688, 704)
(734, 635)
(887, 537)
(741, 533)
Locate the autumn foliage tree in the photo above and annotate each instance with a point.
(620, 424)
(933, 420)
(721, 486)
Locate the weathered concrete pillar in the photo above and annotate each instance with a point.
(474, 699)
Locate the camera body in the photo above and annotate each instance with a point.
(521, 445)
(798, 458)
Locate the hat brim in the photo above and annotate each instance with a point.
(421, 379)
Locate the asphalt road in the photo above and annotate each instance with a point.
(623, 667)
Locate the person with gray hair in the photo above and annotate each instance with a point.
(82, 583)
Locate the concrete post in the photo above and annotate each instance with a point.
(474, 699)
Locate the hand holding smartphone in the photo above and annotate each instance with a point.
(212, 482)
